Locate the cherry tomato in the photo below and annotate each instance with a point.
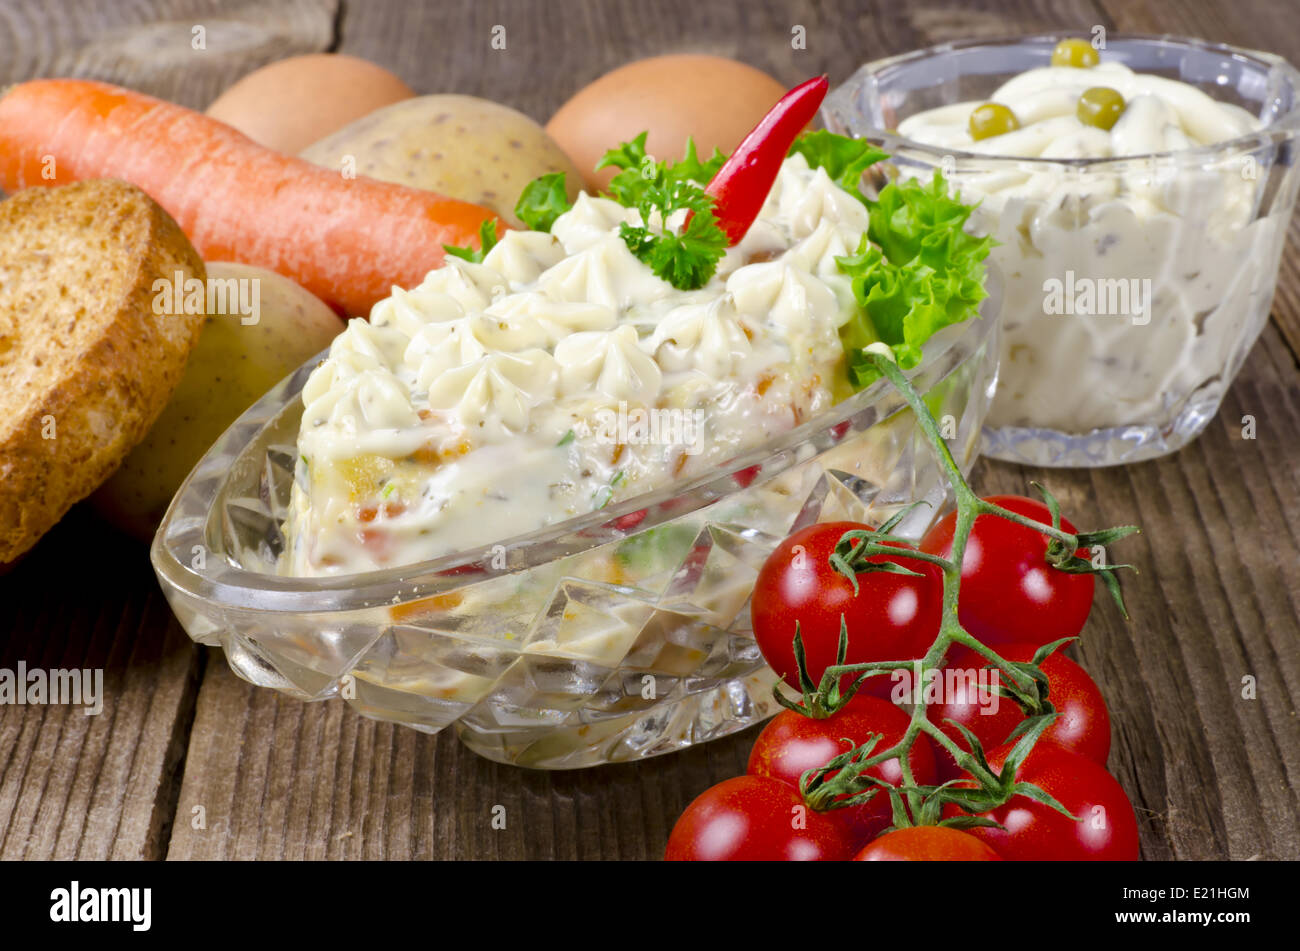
(927, 844)
(1082, 724)
(892, 617)
(793, 743)
(1106, 828)
(755, 819)
(1009, 593)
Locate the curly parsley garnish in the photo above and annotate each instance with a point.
(638, 169)
(685, 258)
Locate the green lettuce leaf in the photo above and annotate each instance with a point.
(915, 272)
(844, 159)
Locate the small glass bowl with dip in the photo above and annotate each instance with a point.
(1140, 190)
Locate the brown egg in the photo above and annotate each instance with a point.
(714, 100)
(294, 102)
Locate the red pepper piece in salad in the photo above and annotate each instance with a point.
(741, 186)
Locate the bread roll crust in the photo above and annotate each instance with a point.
(86, 364)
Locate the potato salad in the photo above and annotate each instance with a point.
(1128, 284)
(560, 375)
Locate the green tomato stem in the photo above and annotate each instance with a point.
(969, 507)
(860, 545)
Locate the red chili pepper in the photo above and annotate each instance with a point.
(741, 185)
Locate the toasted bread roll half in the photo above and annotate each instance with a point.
(88, 356)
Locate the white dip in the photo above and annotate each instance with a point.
(1129, 285)
(560, 375)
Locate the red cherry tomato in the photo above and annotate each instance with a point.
(1082, 724)
(755, 819)
(793, 743)
(892, 617)
(1009, 593)
(1106, 828)
(927, 844)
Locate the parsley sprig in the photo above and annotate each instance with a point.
(638, 170)
(542, 201)
(686, 258)
(487, 240)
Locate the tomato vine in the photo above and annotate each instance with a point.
(844, 782)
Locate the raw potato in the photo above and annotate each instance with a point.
(230, 368)
(459, 146)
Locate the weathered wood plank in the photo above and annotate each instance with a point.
(77, 786)
(150, 45)
(276, 778)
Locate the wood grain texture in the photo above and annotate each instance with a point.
(271, 778)
(78, 786)
(149, 45)
(1213, 774)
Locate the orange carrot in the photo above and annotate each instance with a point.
(347, 240)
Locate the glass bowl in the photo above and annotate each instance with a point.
(617, 635)
(1134, 287)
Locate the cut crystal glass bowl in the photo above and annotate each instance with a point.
(610, 637)
(1195, 236)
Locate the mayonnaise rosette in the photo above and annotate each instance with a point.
(561, 374)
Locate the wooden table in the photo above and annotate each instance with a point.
(1213, 775)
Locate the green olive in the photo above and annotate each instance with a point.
(992, 119)
(1100, 106)
(1077, 53)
